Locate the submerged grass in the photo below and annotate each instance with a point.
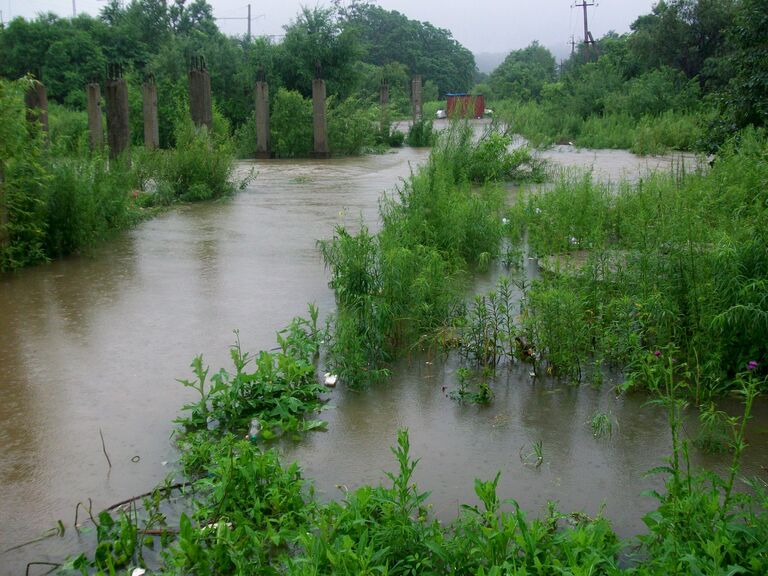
(403, 285)
(673, 263)
(57, 198)
(250, 514)
(544, 125)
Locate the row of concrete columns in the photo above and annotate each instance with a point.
(200, 107)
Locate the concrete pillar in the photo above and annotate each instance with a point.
(200, 94)
(384, 93)
(95, 133)
(319, 121)
(416, 103)
(384, 105)
(36, 101)
(151, 127)
(118, 129)
(262, 120)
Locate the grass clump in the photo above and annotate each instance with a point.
(674, 261)
(544, 124)
(421, 134)
(405, 284)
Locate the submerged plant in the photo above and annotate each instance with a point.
(601, 424)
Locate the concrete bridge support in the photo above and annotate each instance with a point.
(200, 107)
(320, 124)
(36, 101)
(151, 127)
(116, 96)
(262, 120)
(95, 132)
(416, 102)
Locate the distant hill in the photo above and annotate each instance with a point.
(488, 61)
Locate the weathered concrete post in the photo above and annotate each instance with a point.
(416, 103)
(36, 101)
(384, 93)
(384, 104)
(116, 95)
(95, 134)
(200, 93)
(262, 118)
(151, 127)
(319, 120)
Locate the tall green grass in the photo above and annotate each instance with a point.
(57, 198)
(674, 261)
(401, 286)
(544, 125)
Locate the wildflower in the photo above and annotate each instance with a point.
(657, 353)
(752, 364)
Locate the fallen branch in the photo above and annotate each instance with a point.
(104, 448)
(170, 488)
(42, 564)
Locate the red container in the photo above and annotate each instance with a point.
(465, 105)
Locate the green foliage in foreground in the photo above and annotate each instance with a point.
(403, 284)
(674, 262)
(249, 514)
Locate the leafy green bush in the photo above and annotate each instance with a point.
(85, 201)
(290, 125)
(199, 168)
(352, 127)
(68, 131)
(421, 134)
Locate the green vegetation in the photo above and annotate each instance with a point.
(356, 46)
(673, 266)
(249, 514)
(686, 77)
(405, 284)
(57, 204)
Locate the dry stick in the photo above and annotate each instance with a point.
(104, 448)
(49, 534)
(42, 564)
(163, 489)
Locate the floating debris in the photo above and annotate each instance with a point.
(330, 379)
(254, 430)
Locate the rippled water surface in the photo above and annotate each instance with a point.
(94, 343)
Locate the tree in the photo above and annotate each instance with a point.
(746, 97)
(523, 73)
(317, 38)
(388, 37)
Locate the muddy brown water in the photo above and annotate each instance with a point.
(96, 342)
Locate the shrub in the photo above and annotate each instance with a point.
(290, 125)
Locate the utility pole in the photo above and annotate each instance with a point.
(584, 5)
(573, 45)
(249, 21)
(74, 9)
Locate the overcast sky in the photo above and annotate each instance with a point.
(480, 25)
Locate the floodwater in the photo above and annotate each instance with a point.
(93, 345)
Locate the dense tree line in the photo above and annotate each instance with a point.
(356, 46)
(706, 57)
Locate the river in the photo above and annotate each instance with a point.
(92, 345)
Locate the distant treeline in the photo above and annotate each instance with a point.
(356, 47)
(701, 66)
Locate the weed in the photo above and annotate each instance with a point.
(601, 424)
